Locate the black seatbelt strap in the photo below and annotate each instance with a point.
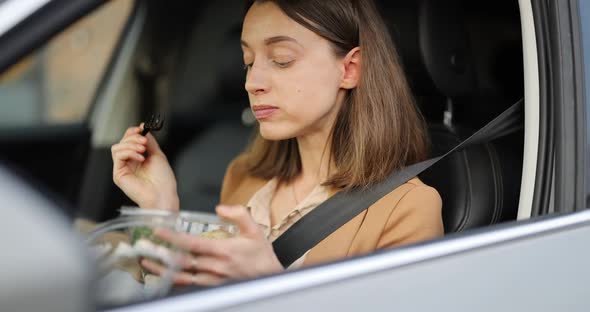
(343, 206)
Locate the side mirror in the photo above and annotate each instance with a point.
(43, 266)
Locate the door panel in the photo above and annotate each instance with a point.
(50, 157)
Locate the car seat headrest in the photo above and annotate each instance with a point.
(401, 19)
(472, 47)
(445, 47)
(232, 76)
(209, 76)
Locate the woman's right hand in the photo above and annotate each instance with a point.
(148, 181)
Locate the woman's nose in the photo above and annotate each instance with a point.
(257, 80)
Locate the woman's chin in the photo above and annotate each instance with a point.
(273, 134)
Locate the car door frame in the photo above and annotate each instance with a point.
(38, 25)
(562, 124)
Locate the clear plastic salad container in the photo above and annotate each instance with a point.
(118, 245)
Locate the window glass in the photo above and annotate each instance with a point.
(56, 84)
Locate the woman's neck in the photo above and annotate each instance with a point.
(314, 151)
(315, 147)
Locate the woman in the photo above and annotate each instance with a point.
(335, 113)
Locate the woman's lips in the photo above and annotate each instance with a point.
(263, 111)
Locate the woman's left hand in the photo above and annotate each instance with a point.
(214, 261)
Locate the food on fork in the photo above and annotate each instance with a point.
(155, 123)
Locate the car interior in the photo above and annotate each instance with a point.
(464, 63)
(463, 60)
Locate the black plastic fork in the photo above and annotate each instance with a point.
(155, 123)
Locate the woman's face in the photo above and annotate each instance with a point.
(293, 76)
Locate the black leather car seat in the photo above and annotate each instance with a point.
(480, 184)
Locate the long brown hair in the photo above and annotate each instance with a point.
(378, 129)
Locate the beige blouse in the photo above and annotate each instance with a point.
(259, 206)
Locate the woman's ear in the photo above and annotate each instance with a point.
(352, 69)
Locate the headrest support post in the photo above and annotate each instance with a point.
(448, 113)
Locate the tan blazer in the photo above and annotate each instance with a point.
(409, 214)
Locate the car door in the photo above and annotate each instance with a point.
(52, 61)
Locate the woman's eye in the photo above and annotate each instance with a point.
(247, 66)
(283, 64)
